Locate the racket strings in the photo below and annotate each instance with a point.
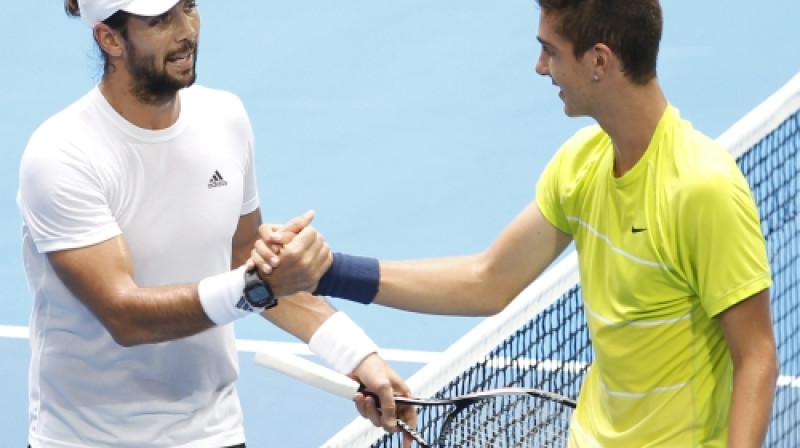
(507, 421)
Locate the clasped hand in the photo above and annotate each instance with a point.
(298, 249)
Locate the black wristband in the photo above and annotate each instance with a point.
(351, 277)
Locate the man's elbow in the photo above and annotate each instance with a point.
(125, 335)
(775, 366)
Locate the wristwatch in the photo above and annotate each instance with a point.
(257, 292)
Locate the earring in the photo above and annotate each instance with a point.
(595, 78)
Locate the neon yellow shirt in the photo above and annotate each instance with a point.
(662, 249)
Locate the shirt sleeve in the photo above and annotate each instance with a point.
(250, 199)
(548, 196)
(724, 250)
(61, 199)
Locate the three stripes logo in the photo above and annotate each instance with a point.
(216, 181)
(243, 305)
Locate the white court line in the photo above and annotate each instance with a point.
(253, 346)
(543, 364)
(413, 356)
(12, 332)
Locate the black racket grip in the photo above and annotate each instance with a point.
(403, 425)
(363, 389)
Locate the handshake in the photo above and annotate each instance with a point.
(295, 258)
(290, 258)
(286, 260)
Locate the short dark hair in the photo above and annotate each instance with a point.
(630, 28)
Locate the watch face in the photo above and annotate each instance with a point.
(258, 293)
(260, 296)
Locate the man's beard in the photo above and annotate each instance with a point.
(153, 86)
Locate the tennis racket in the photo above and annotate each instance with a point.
(495, 418)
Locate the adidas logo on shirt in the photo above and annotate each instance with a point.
(217, 181)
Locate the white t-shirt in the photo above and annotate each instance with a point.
(176, 196)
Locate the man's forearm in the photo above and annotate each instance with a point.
(751, 405)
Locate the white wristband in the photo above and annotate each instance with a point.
(222, 297)
(341, 343)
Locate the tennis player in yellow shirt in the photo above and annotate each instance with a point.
(673, 265)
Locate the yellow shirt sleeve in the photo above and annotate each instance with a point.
(723, 252)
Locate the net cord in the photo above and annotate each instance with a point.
(763, 119)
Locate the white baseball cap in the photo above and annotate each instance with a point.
(95, 11)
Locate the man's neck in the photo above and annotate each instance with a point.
(117, 92)
(631, 121)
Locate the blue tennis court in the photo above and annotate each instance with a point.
(413, 128)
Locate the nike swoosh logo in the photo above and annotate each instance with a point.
(637, 229)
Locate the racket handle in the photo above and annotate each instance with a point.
(308, 372)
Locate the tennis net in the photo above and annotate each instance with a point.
(540, 340)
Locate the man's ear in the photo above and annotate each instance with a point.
(603, 58)
(109, 40)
